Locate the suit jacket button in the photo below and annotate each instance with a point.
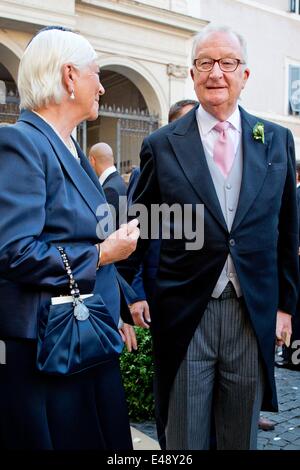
(231, 242)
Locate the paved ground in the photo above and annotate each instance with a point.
(286, 435)
(142, 441)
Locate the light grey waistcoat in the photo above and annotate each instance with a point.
(228, 191)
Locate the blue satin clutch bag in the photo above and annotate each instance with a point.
(76, 335)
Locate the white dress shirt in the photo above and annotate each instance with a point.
(106, 173)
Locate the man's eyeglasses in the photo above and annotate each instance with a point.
(226, 64)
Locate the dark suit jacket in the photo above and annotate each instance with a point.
(144, 280)
(114, 186)
(47, 199)
(134, 177)
(298, 205)
(263, 241)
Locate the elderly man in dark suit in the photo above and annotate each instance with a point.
(220, 302)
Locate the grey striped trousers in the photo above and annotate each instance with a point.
(221, 377)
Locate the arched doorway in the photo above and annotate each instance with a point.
(124, 119)
(9, 97)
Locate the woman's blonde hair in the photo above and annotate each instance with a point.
(40, 70)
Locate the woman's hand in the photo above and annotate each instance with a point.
(120, 244)
(128, 336)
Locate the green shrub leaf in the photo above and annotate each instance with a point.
(137, 372)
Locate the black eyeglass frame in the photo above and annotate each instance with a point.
(238, 62)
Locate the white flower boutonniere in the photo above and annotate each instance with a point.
(259, 132)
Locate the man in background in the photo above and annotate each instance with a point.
(101, 158)
(180, 108)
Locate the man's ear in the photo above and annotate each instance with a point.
(192, 73)
(246, 74)
(92, 161)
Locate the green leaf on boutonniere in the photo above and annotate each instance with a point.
(259, 132)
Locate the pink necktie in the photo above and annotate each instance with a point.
(223, 153)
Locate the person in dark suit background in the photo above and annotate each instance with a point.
(180, 108)
(49, 196)
(220, 305)
(290, 355)
(144, 281)
(101, 158)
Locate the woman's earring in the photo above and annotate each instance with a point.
(72, 96)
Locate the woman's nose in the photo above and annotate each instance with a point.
(101, 89)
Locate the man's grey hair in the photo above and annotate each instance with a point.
(40, 71)
(212, 28)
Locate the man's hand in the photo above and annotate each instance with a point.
(120, 244)
(128, 336)
(140, 313)
(283, 328)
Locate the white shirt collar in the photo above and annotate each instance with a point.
(207, 122)
(106, 173)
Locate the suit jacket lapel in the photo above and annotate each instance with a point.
(188, 148)
(83, 176)
(255, 165)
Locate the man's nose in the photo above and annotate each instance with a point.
(216, 72)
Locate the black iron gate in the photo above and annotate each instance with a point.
(132, 125)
